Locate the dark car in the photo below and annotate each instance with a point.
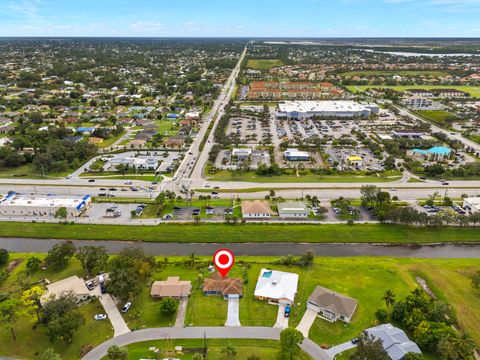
(355, 340)
(91, 180)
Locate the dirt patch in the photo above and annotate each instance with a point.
(13, 264)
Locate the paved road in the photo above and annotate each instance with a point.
(335, 350)
(308, 346)
(441, 251)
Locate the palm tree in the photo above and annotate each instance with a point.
(389, 297)
(464, 345)
(230, 351)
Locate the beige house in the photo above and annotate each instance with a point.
(72, 284)
(331, 306)
(173, 287)
(256, 209)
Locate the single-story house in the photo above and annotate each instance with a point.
(276, 286)
(293, 210)
(216, 285)
(394, 341)
(174, 142)
(172, 287)
(256, 209)
(138, 143)
(331, 305)
(72, 284)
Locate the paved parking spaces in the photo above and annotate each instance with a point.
(233, 315)
(307, 322)
(282, 321)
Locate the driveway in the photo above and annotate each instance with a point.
(282, 321)
(119, 325)
(233, 315)
(333, 351)
(245, 332)
(307, 322)
(182, 310)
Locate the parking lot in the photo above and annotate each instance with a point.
(100, 211)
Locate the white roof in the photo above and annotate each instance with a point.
(43, 201)
(237, 151)
(296, 153)
(322, 106)
(473, 202)
(274, 284)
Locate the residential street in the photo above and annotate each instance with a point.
(247, 332)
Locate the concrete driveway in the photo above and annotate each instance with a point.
(333, 351)
(119, 325)
(182, 310)
(307, 322)
(282, 321)
(233, 315)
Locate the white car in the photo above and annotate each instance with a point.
(100, 317)
(126, 307)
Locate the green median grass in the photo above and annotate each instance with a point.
(209, 233)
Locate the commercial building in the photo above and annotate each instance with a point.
(256, 209)
(394, 341)
(296, 155)
(472, 203)
(331, 305)
(241, 153)
(293, 210)
(276, 286)
(407, 134)
(15, 204)
(355, 161)
(302, 110)
(146, 163)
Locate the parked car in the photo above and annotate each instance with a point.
(90, 285)
(126, 307)
(100, 317)
(287, 311)
(355, 340)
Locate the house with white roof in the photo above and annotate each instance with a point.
(394, 341)
(276, 287)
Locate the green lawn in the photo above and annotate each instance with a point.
(263, 64)
(474, 91)
(433, 73)
(264, 349)
(111, 140)
(387, 176)
(438, 117)
(29, 172)
(359, 233)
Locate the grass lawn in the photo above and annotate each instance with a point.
(29, 172)
(263, 64)
(310, 178)
(359, 233)
(438, 117)
(30, 340)
(395, 72)
(474, 91)
(111, 140)
(264, 349)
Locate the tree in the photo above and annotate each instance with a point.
(9, 314)
(4, 256)
(476, 280)
(369, 348)
(369, 195)
(456, 347)
(413, 356)
(115, 352)
(62, 318)
(168, 306)
(33, 264)
(92, 258)
(31, 300)
(197, 356)
(190, 260)
(381, 315)
(61, 213)
(50, 354)
(290, 339)
(59, 255)
(388, 297)
(229, 351)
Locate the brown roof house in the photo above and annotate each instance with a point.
(331, 306)
(174, 142)
(256, 209)
(226, 287)
(172, 287)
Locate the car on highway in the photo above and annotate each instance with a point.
(126, 307)
(100, 317)
(91, 180)
(69, 176)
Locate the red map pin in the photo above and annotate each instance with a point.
(223, 260)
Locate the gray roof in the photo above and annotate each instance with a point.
(395, 342)
(292, 207)
(336, 303)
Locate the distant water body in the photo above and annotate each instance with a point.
(400, 53)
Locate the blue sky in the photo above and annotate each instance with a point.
(263, 18)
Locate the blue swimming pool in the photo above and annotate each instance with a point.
(438, 150)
